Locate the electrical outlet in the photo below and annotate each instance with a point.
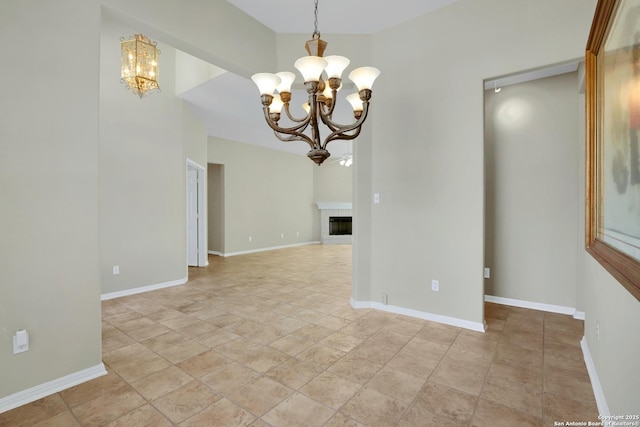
(435, 285)
(250, 238)
(116, 269)
(282, 235)
(385, 299)
(487, 273)
(376, 198)
(20, 341)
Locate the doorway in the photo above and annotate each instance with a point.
(196, 226)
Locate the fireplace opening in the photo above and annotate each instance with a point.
(340, 225)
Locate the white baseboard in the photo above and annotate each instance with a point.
(50, 387)
(216, 253)
(142, 289)
(603, 409)
(474, 326)
(536, 306)
(253, 251)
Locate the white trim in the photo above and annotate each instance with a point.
(532, 305)
(603, 409)
(253, 251)
(579, 315)
(142, 289)
(474, 326)
(216, 253)
(50, 387)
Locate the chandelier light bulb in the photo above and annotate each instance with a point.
(327, 92)
(266, 82)
(276, 104)
(311, 67)
(355, 101)
(336, 65)
(286, 80)
(364, 77)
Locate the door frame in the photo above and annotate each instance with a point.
(202, 212)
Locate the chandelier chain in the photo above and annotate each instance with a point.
(316, 33)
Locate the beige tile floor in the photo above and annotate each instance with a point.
(270, 339)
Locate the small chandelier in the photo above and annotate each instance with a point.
(139, 71)
(322, 96)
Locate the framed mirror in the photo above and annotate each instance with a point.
(612, 90)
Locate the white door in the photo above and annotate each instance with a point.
(192, 216)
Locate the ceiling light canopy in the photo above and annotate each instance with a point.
(139, 58)
(322, 80)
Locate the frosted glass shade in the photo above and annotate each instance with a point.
(327, 92)
(311, 67)
(286, 80)
(266, 82)
(336, 65)
(355, 101)
(364, 77)
(276, 104)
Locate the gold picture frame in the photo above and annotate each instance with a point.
(612, 96)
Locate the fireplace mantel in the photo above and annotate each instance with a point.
(335, 206)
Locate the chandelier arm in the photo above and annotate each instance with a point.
(340, 132)
(338, 128)
(293, 137)
(341, 136)
(334, 94)
(326, 119)
(294, 129)
(293, 119)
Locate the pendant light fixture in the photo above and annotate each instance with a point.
(322, 92)
(139, 64)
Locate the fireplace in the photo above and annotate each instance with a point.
(336, 223)
(339, 225)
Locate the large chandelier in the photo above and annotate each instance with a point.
(322, 91)
(139, 58)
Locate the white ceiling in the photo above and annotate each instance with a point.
(230, 105)
(336, 16)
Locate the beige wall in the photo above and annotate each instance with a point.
(615, 353)
(48, 181)
(428, 160)
(142, 173)
(531, 195)
(332, 182)
(268, 196)
(296, 182)
(49, 164)
(215, 207)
